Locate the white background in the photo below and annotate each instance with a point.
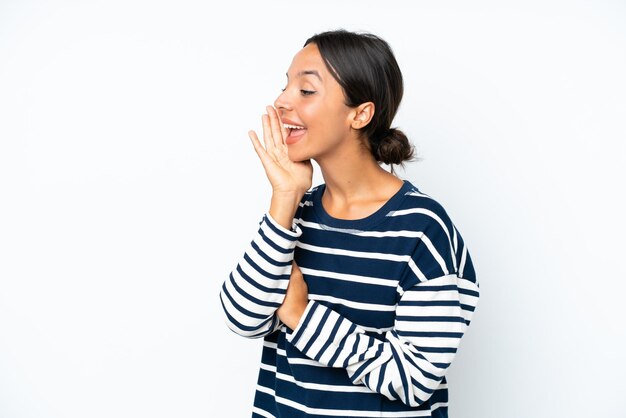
(129, 189)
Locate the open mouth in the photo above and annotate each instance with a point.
(294, 132)
(291, 128)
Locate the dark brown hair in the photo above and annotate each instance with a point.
(365, 67)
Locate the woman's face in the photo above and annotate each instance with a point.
(313, 104)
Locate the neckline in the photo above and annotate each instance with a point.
(380, 214)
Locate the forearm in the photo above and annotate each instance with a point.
(405, 364)
(283, 207)
(257, 286)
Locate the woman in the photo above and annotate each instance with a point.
(362, 287)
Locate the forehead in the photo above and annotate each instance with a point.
(308, 59)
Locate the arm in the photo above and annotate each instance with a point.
(256, 287)
(437, 298)
(411, 360)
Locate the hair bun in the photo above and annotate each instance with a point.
(394, 147)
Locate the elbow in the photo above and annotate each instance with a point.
(257, 329)
(247, 333)
(416, 393)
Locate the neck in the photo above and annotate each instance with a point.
(353, 178)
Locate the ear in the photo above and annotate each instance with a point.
(362, 115)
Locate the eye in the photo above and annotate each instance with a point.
(307, 92)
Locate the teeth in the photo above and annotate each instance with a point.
(286, 125)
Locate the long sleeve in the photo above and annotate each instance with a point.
(411, 360)
(257, 286)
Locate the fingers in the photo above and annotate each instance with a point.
(273, 137)
(265, 159)
(283, 131)
(267, 134)
(257, 144)
(278, 130)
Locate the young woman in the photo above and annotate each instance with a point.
(362, 286)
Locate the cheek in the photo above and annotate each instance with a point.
(323, 117)
(311, 114)
(336, 123)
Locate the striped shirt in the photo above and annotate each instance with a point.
(390, 297)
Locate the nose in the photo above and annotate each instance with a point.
(282, 102)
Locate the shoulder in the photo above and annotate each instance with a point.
(440, 250)
(422, 211)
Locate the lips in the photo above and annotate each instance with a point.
(295, 131)
(294, 136)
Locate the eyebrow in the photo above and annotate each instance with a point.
(307, 72)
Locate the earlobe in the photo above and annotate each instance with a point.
(363, 115)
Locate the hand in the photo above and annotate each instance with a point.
(296, 299)
(286, 176)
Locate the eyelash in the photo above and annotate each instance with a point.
(304, 92)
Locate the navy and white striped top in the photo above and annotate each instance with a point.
(390, 296)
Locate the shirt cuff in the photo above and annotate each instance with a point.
(292, 233)
(304, 319)
(311, 335)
